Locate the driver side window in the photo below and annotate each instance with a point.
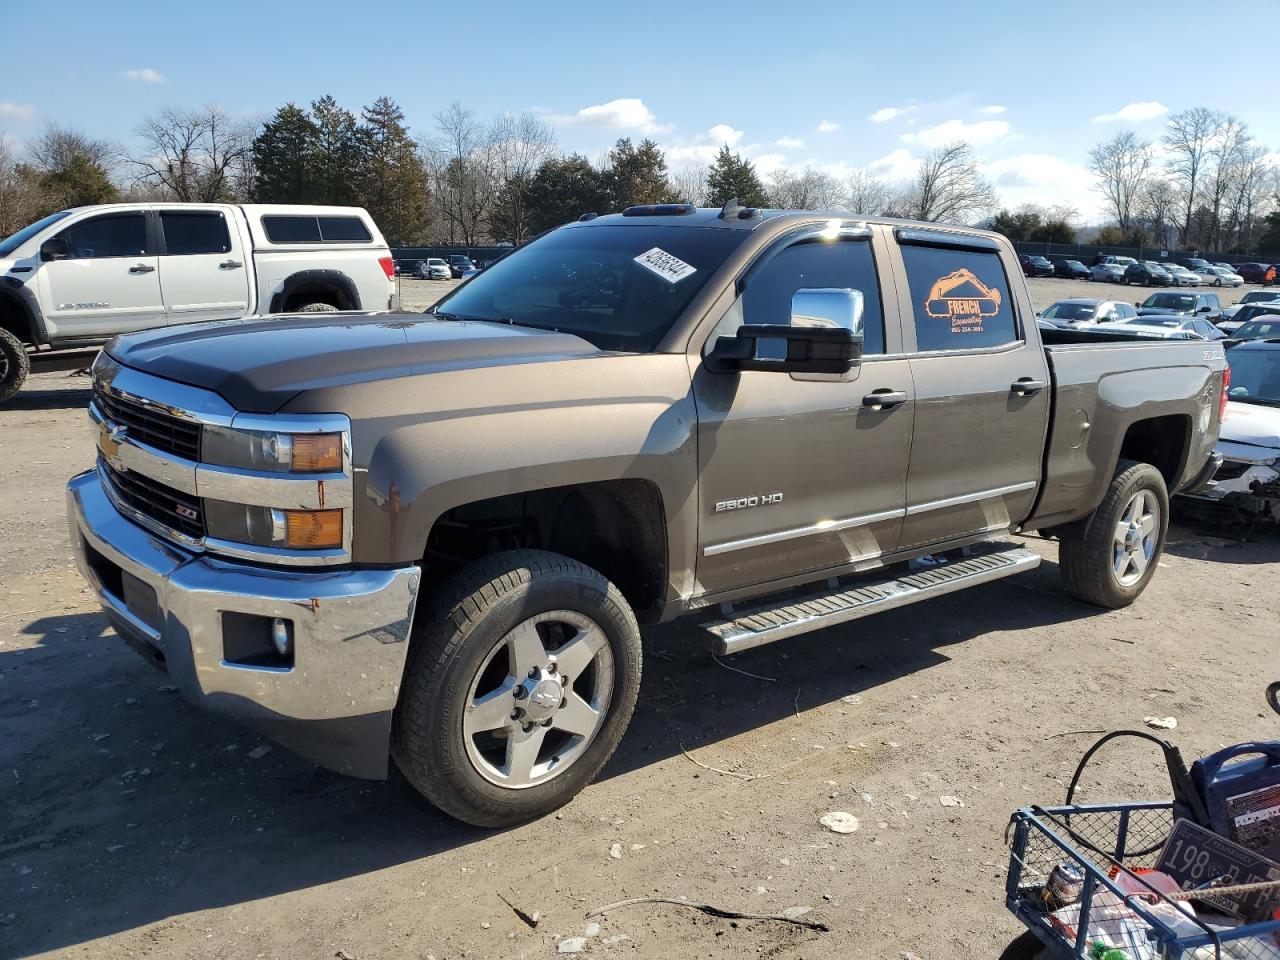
(111, 235)
(832, 265)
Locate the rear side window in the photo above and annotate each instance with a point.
(304, 229)
(113, 235)
(844, 265)
(192, 233)
(960, 298)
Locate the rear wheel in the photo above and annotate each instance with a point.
(520, 684)
(15, 365)
(1109, 557)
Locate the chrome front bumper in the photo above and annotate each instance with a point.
(350, 633)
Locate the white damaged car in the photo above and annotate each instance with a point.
(1249, 478)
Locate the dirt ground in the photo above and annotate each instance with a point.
(132, 825)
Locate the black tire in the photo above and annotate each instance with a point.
(317, 308)
(15, 365)
(452, 640)
(1086, 554)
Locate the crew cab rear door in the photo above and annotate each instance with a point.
(204, 272)
(800, 475)
(982, 388)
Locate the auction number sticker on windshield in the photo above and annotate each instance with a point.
(669, 268)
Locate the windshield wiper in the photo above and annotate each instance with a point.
(444, 315)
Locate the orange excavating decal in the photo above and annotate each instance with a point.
(964, 299)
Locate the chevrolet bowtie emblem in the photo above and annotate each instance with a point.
(118, 434)
(111, 436)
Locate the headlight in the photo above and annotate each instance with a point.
(268, 527)
(272, 452)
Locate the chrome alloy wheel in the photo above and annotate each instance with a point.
(1136, 536)
(539, 699)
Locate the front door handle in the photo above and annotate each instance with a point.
(884, 399)
(1026, 387)
(230, 265)
(142, 268)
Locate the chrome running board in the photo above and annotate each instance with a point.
(795, 613)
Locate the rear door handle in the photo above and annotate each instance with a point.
(230, 265)
(885, 399)
(142, 268)
(1025, 387)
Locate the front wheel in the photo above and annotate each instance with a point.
(15, 365)
(1109, 557)
(520, 683)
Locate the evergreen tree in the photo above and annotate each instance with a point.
(733, 177)
(392, 180)
(336, 153)
(639, 174)
(284, 155)
(79, 182)
(564, 189)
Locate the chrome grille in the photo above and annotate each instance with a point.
(151, 425)
(168, 507)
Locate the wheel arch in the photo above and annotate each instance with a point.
(316, 286)
(20, 313)
(617, 527)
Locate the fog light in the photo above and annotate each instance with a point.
(280, 637)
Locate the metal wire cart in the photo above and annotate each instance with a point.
(1078, 881)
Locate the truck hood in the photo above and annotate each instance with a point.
(258, 364)
(1253, 425)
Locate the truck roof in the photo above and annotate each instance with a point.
(684, 215)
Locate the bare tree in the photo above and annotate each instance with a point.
(1121, 166)
(195, 155)
(690, 185)
(58, 147)
(1188, 137)
(517, 145)
(806, 189)
(21, 200)
(1157, 205)
(867, 194)
(949, 187)
(460, 165)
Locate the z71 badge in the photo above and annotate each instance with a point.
(746, 503)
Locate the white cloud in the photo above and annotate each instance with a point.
(767, 163)
(992, 110)
(828, 126)
(704, 147)
(790, 143)
(146, 75)
(979, 133)
(1043, 179)
(1135, 112)
(20, 111)
(627, 113)
(896, 166)
(885, 114)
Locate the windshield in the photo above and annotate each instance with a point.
(1070, 311)
(1255, 376)
(1245, 314)
(15, 240)
(1259, 330)
(1257, 296)
(1170, 301)
(589, 281)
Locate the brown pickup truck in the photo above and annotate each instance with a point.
(435, 538)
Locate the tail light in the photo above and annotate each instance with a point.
(1226, 385)
(388, 266)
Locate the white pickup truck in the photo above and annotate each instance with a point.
(81, 276)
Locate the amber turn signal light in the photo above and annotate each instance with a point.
(313, 452)
(313, 529)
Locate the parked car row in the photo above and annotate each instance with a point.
(454, 267)
(1112, 268)
(1169, 314)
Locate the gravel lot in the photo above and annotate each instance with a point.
(135, 826)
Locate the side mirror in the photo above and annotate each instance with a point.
(1204, 309)
(784, 349)
(1137, 303)
(55, 248)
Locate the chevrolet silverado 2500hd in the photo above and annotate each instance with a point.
(434, 538)
(79, 277)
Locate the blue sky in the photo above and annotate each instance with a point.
(826, 84)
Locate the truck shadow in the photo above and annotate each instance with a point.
(1223, 538)
(127, 807)
(69, 399)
